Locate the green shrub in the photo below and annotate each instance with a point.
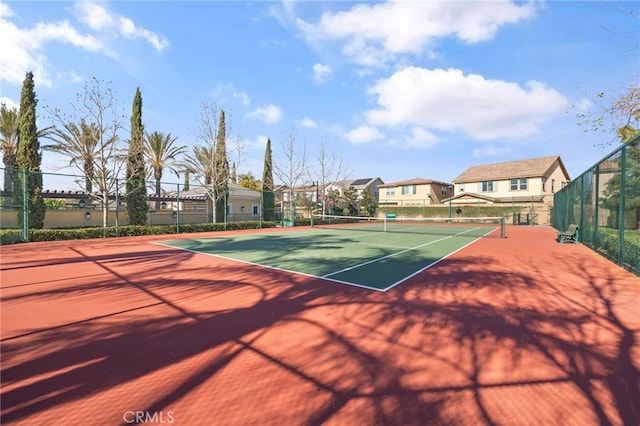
(443, 211)
(608, 244)
(10, 236)
(13, 236)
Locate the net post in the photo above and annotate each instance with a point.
(503, 227)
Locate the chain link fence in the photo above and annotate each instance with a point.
(604, 202)
(70, 201)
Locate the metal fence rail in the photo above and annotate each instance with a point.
(68, 203)
(605, 202)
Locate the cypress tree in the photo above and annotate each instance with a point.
(268, 196)
(136, 195)
(221, 165)
(29, 157)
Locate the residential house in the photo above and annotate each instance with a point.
(360, 185)
(243, 203)
(307, 196)
(334, 191)
(414, 192)
(532, 181)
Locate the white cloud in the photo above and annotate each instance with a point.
(100, 19)
(269, 114)
(10, 103)
(23, 49)
(363, 134)
(420, 138)
(245, 100)
(94, 16)
(321, 72)
(129, 29)
(259, 142)
(374, 33)
(223, 92)
(490, 151)
(449, 100)
(584, 105)
(75, 77)
(308, 123)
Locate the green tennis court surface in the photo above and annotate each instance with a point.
(355, 255)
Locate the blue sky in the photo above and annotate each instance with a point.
(394, 89)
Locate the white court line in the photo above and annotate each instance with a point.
(275, 268)
(436, 262)
(327, 276)
(396, 253)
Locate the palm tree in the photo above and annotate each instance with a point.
(161, 154)
(80, 143)
(8, 143)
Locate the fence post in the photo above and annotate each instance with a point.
(621, 213)
(582, 200)
(226, 206)
(117, 208)
(596, 213)
(25, 205)
(177, 208)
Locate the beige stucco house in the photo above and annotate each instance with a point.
(243, 203)
(522, 180)
(360, 185)
(414, 192)
(308, 195)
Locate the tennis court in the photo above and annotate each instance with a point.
(364, 252)
(519, 331)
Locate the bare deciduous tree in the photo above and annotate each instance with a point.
(291, 169)
(329, 168)
(89, 135)
(209, 161)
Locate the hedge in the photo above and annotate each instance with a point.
(14, 236)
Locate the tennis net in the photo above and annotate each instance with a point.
(468, 226)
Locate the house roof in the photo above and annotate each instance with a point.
(234, 191)
(414, 181)
(360, 183)
(533, 167)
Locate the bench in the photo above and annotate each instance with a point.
(571, 235)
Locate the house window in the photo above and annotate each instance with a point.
(544, 182)
(524, 184)
(443, 190)
(519, 184)
(462, 187)
(256, 210)
(409, 190)
(391, 191)
(487, 186)
(553, 185)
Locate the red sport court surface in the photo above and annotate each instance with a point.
(515, 331)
